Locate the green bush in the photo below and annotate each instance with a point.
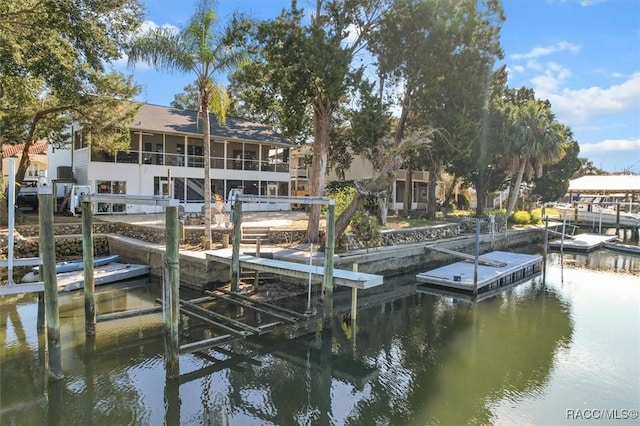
(342, 197)
(462, 202)
(521, 217)
(535, 218)
(365, 228)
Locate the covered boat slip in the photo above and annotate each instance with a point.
(460, 276)
(582, 242)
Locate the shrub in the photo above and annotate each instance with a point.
(535, 218)
(366, 229)
(521, 217)
(462, 202)
(343, 198)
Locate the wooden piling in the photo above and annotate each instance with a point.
(477, 256)
(87, 260)
(41, 322)
(327, 312)
(354, 297)
(171, 293)
(52, 310)
(235, 253)
(546, 249)
(256, 280)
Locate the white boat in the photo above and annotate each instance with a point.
(69, 266)
(105, 274)
(596, 215)
(622, 248)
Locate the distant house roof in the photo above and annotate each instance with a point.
(16, 150)
(606, 184)
(155, 118)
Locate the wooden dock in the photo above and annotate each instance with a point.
(460, 276)
(582, 243)
(358, 280)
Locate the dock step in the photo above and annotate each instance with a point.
(251, 235)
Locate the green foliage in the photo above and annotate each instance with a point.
(187, 99)
(587, 168)
(365, 229)
(58, 41)
(462, 202)
(343, 197)
(53, 55)
(554, 181)
(521, 217)
(535, 218)
(338, 185)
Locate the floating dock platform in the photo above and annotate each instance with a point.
(582, 243)
(459, 276)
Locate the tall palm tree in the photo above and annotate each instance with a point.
(536, 139)
(199, 49)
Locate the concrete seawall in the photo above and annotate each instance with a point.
(198, 273)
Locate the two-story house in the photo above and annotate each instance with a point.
(166, 158)
(361, 169)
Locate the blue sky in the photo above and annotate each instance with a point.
(582, 55)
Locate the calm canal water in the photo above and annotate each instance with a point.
(536, 354)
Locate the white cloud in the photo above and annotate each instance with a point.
(611, 145)
(550, 80)
(582, 105)
(537, 52)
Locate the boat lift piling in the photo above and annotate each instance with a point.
(328, 284)
(171, 293)
(52, 309)
(546, 249)
(171, 279)
(89, 279)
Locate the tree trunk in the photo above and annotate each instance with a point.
(383, 207)
(515, 190)
(431, 192)
(206, 140)
(450, 192)
(23, 165)
(343, 221)
(321, 127)
(407, 196)
(481, 192)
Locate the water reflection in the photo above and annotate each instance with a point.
(600, 260)
(411, 358)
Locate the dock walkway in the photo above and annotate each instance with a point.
(359, 280)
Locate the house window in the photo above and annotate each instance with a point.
(80, 139)
(160, 185)
(152, 149)
(174, 150)
(111, 187)
(194, 152)
(178, 189)
(217, 155)
(195, 190)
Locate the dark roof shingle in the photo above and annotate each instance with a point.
(155, 118)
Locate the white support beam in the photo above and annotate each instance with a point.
(150, 200)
